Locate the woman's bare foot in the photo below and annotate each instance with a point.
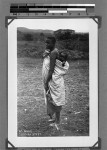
(51, 120)
(57, 126)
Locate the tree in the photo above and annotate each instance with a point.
(63, 34)
(28, 37)
(42, 37)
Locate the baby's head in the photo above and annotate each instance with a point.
(63, 57)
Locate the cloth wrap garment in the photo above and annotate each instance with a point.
(56, 84)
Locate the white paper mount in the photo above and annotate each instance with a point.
(27, 11)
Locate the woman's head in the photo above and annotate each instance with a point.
(50, 42)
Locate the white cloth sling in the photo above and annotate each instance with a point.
(56, 84)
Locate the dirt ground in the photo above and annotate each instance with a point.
(31, 108)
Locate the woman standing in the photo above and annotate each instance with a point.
(54, 68)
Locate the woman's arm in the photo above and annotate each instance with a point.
(53, 57)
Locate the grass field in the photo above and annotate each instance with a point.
(32, 117)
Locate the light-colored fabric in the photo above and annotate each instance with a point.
(56, 84)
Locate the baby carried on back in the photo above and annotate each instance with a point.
(56, 85)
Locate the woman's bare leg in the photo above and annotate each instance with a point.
(57, 117)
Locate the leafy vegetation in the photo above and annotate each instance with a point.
(31, 43)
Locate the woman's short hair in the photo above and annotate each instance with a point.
(52, 38)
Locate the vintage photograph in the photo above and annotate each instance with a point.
(63, 110)
(54, 62)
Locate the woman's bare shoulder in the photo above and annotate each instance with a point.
(54, 52)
